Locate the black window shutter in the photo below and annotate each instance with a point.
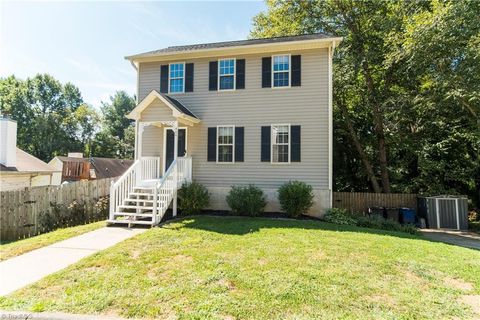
(266, 72)
(213, 76)
(189, 77)
(266, 137)
(295, 143)
(239, 138)
(240, 70)
(164, 78)
(212, 144)
(296, 71)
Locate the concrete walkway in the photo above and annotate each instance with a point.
(18, 272)
(459, 238)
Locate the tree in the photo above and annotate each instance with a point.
(117, 137)
(406, 94)
(440, 55)
(51, 117)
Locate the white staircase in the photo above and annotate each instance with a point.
(141, 196)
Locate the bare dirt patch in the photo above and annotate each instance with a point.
(136, 253)
(382, 299)
(458, 284)
(227, 283)
(473, 301)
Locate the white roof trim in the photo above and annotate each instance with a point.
(135, 114)
(139, 56)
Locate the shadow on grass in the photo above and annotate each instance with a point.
(235, 225)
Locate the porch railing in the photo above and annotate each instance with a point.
(166, 190)
(145, 168)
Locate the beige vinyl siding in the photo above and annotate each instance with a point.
(251, 108)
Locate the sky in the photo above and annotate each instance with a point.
(85, 42)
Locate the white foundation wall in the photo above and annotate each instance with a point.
(321, 200)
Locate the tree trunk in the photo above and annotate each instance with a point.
(363, 156)
(355, 28)
(379, 128)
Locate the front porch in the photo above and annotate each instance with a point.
(148, 188)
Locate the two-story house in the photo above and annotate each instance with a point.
(230, 113)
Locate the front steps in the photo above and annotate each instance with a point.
(142, 196)
(137, 208)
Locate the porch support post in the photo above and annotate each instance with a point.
(175, 172)
(139, 140)
(135, 156)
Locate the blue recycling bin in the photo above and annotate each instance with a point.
(408, 215)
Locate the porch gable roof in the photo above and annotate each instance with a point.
(179, 110)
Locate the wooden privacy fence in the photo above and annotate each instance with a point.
(28, 212)
(359, 202)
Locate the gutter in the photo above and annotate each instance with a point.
(252, 46)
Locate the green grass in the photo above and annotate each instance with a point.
(257, 268)
(16, 248)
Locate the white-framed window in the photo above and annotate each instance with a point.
(176, 78)
(281, 71)
(280, 143)
(225, 143)
(226, 74)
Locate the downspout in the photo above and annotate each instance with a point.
(330, 121)
(135, 156)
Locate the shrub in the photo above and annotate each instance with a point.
(339, 216)
(248, 200)
(378, 222)
(193, 198)
(296, 198)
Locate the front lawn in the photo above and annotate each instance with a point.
(16, 248)
(257, 268)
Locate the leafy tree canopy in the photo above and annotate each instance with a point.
(406, 93)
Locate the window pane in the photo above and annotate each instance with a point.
(227, 67)
(176, 85)
(225, 153)
(281, 63)
(280, 143)
(225, 135)
(280, 79)
(176, 77)
(280, 153)
(226, 82)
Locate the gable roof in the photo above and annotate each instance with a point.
(109, 168)
(179, 110)
(104, 167)
(26, 163)
(315, 37)
(179, 106)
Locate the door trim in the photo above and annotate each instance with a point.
(164, 158)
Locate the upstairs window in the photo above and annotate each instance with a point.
(225, 143)
(281, 71)
(176, 77)
(280, 143)
(226, 74)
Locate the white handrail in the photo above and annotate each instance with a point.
(144, 168)
(165, 190)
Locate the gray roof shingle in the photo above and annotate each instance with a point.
(179, 106)
(225, 44)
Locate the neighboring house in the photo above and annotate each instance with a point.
(251, 111)
(19, 169)
(74, 167)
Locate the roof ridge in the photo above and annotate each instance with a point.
(252, 39)
(234, 43)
